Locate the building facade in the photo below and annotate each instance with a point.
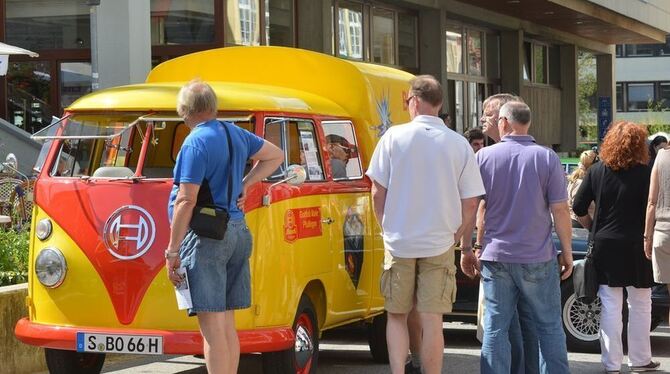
(475, 47)
(643, 83)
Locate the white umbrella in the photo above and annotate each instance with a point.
(6, 50)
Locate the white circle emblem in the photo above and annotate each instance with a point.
(129, 232)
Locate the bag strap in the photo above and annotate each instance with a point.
(205, 197)
(592, 234)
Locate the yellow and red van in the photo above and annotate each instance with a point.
(100, 226)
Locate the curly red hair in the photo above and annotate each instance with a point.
(625, 146)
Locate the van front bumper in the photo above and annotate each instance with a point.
(174, 342)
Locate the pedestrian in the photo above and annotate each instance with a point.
(525, 350)
(586, 159)
(446, 119)
(657, 226)
(525, 187)
(659, 142)
(621, 178)
(205, 170)
(475, 137)
(425, 197)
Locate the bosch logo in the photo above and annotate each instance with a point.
(129, 232)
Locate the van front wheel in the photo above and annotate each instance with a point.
(302, 358)
(71, 362)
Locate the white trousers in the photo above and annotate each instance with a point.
(611, 326)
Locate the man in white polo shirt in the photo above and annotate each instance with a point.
(426, 186)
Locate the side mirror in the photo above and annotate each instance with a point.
(295, 176)
(11, 161)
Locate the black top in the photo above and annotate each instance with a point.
(619, 247)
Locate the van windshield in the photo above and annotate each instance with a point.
(109, 145)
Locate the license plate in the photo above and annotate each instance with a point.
(136, 344)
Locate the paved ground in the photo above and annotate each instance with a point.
(346, 352)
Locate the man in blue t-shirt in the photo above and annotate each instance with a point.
(217, 270)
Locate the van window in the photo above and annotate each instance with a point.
(298, 139)
(345, 162)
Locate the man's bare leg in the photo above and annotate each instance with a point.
(397, 340)
(432, 344)
(415, 335)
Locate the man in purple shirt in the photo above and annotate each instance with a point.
(525, 186)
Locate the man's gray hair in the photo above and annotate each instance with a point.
(516, 112)
(501, 99)
(196, 97)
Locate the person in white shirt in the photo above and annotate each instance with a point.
(426, 187)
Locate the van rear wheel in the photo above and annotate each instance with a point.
(303, 357)
(71, 362)
(377, 339)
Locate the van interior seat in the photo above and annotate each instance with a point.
(158, 172)
(112, 172)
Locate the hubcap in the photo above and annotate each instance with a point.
(304, 347)
(582, 320)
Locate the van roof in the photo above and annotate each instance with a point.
(232, 96)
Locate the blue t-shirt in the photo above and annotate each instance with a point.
(522, 179)
(204, 155)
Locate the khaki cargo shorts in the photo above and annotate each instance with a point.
(431, 281)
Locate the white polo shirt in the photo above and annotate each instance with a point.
(427, 169)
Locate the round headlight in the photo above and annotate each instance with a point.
(43, 229)
(50, 267)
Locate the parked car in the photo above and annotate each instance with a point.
(581, 321)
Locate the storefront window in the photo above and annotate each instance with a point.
(39, 24)
(383, 37)
(279, 22)
(459, 106)
(527, 60)
(242, 22)
(664, 95)
(454, 51)
(474, 52)
(407, 40)
(75, 81)
(182, 22)
(619, 97)
(476, 99)
(350, 25)
(639, 50)
(28, 100)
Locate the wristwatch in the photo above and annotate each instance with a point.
(169, 254)
(477, 246)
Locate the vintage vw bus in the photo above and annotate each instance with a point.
(100, 222)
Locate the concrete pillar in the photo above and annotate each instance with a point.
(605, 77)
(315, 25)
(432, 45)
(512, 58)
(569, 97)
(124, 42)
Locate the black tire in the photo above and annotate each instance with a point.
(581, 321)
(377, 339)
(303, 358)
(71, 362)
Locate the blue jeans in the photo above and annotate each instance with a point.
(535, 288)
(525, 347)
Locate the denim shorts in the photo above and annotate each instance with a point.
(218, 270)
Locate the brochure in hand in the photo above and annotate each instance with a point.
(183, 291)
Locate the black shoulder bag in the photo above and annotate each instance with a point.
(209, 220)
(584, 275)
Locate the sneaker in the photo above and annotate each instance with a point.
(652, 366)
(411, 369)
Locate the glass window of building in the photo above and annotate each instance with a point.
(665, 48)
(350, 30)
(639, 95)
(540, 63)
(383, 36)
(474, 52)
(527, 62)
(29, 104)
(664, 95)
(407, 40)
(39, 24)
(492, 55)
(242, 22)
(75, 81)
(619, 50)
(619, 97)
(454, 51)
(182, 22)
(279, 22)
(639, 50)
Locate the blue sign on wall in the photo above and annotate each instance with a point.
(604, 115)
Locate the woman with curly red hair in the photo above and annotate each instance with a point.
(622, 180)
